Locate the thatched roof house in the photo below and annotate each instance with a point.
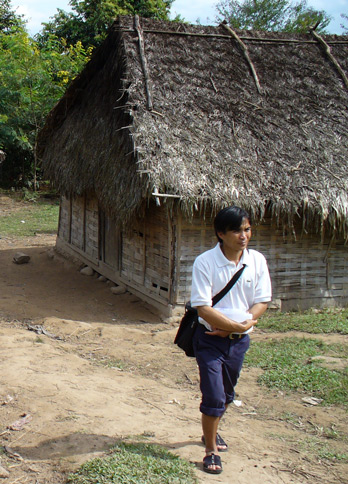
(169, 122)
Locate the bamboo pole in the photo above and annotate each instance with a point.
(144, 62)
(246, 55)
(266, 40)
(327, 51)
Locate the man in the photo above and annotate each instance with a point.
(222, 338)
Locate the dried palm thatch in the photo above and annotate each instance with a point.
(174, 110)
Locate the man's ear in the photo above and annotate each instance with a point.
(220, 234)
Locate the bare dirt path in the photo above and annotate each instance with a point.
(107, 370)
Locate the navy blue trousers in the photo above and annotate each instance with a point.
(220, 361)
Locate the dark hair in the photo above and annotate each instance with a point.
(230, 218)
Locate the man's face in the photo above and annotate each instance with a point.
(237, 240)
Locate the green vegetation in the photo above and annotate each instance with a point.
(330, 320)
(135, 463)
(9, 20)
(272, 15)
(287, 365)
(112, 363)
(330, 433)
(32, 79)
(344, 26)
(323, 450)
(34, 218)
(89, 20)
(313, 447)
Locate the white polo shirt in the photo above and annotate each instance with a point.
(212, 271)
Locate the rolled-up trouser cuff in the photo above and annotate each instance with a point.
(212, 412)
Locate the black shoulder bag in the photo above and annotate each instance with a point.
(188, 324)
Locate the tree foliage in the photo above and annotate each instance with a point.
(271, 15)
(31, 82)
(9, 21)
(90, 19)
(344, 26)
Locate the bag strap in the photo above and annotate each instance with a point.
(228, 286)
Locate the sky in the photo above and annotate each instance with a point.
(38, 11)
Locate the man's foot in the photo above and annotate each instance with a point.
(212, 464)
(220, 443)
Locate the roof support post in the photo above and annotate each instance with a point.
(144, 62)
(246, 55)
(327, 51)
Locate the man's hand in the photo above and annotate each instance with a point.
(248, 324)
(218, 332)
(244, 326)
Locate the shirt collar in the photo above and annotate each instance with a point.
(222, 261)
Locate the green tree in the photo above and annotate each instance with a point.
(344, 27)
(271, 15)
(31, 82)
(90, 19)
(9, 20)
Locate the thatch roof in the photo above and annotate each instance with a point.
(211, 139)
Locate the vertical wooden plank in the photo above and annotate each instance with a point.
(84, 229)
(92, 228)
(171, 255)
(111, 242)
(70, 219)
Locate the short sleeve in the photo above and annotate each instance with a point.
(263, 288)
(201, 290)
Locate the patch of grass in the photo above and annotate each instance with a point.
(313, 447)
(322, 450)
(135, 463)
(329, 320)
(291, 418)
(287, 366)
(114, 363)
(40, 217)
(330, 433)
(67, 418)
(108, 362)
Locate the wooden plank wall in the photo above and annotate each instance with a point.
(145, 248)
(145, 257)
(194, 238)
(78, 224)
(91, 229)
(305, 272)
(64, 219)
(157, 255)
(133, 254)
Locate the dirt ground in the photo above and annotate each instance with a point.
(105, 368)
